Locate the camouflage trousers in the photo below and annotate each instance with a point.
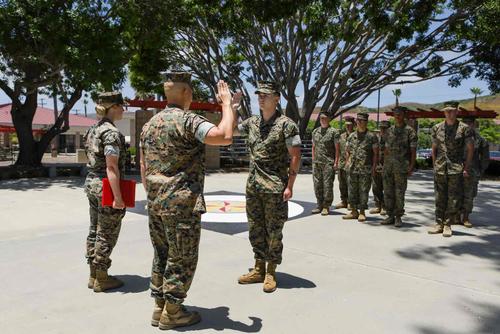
(394, 192)
(323, 177)
(267, 214)
(378, 188)
(175, 242)
(105, 224)
(343, 185)
(359, 188)
(448, 191)
(470, 192)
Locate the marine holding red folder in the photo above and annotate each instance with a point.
(107, 192)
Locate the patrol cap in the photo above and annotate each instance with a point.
(362, 116)
(349, 120)
(111, 98)
(399, 109)
(177, 76)
(268, 87)
(450, 105)
(325, 113)
(385, 124)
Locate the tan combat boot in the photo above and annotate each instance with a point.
(383, 212)
(351, 215)
(447, 231)
(175, 315)
(157, 311)
(104, 282)
(388, 221)
(325, 212)
(375, 210)
(90, 285)
(398, 222)
(316, 210)
(270, 281)
(157, 281)
(341, 205)
(362, 216)
(467, 223)
(256, 275)
(436, 229)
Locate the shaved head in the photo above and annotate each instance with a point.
(178, 92)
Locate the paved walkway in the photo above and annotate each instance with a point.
(337, 276)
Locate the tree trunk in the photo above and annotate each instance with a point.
(22, 117)
(475, 98)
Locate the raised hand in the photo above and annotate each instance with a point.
(235, 103)
(223, 93)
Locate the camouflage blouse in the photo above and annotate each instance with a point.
(100, 136)
(324, 140)
(481, 157)
(399, 141)
(268, 144)
(450, 142)
(343, 149)
(360, 146)
(172, 143)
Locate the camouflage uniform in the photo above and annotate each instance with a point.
(173, 148)
(377, 179)
(398, 141)
(448, 168)
(105, 222)
(480, 162)
(343, 184)
(360, 146)
(324, 140)
(268, 144)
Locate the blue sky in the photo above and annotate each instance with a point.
(431, 91)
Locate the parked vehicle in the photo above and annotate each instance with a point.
(495, 155)
(424, 154)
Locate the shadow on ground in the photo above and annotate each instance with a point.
(218, 319)
(42, 183)
(481, 241)
(132, 284)
(288, 281)
(485, 316)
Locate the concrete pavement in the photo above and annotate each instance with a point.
(337, 276)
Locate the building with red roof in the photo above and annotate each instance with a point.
(43, 120)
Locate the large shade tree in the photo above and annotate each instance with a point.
(61, 47)
(339, 52)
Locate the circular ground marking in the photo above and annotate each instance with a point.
(231, 209)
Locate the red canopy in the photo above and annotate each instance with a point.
(435, 113)
(195, 105)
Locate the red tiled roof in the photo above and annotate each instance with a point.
(44, 116)
(371, 116)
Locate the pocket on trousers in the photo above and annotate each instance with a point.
(188, 237)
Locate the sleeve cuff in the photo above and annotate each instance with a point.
(202, 130)
(293, 141)
(111, 150)
(241, 129)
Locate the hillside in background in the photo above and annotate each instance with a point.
(488, 102)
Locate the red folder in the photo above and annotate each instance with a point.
(127, 188)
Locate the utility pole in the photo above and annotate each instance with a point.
(85, 101)
(42, 102)
(55, 141)
(378, 109)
